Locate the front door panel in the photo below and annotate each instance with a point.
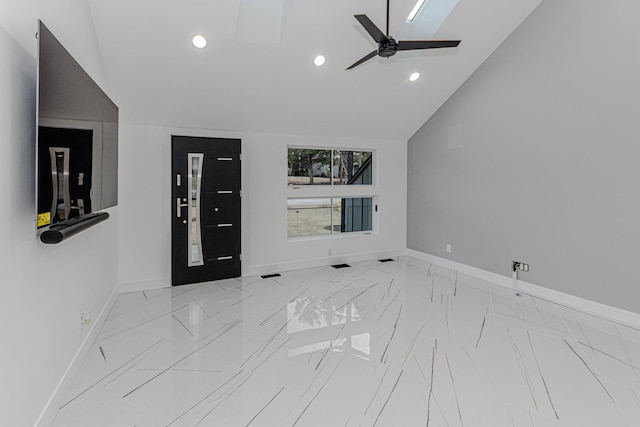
(205, 209)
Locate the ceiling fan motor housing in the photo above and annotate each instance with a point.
(388, 48)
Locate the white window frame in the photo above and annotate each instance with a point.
(339, 191)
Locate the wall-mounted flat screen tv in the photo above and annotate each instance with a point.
(77, 143)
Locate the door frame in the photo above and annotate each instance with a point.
(166, 134)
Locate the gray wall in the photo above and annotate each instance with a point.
(549, 164)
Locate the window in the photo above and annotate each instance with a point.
(352, 167)
(323, 216)
(309, 217)
(307, 166)
(337, 211)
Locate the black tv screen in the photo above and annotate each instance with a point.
(77, 143)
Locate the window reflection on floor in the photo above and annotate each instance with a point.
(312, 313)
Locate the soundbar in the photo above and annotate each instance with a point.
(65, 229)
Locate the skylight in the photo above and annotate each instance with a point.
(426, 18)
(415, 10)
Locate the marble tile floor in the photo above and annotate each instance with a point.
(399, 344)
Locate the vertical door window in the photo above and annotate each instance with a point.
(196, 163)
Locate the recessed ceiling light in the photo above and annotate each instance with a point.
(319, 60)
(415, 10)
(413, 77)
(199, 41)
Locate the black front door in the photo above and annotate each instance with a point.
(205, 209)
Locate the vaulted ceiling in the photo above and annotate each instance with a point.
(257, 72)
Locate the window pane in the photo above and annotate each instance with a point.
(318, 217)
(308, 166)
(308, 217)
(352, 214)
(352, 167)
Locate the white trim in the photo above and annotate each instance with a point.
(143, 285)
(608, 312)
(51, 408)
(462, 268)
(256, 270)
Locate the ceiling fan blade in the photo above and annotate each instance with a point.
(371, 28)
(426, 44)
(366, 58)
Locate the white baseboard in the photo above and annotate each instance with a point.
(256, 270)
(143, 285)
(51, 408)
(601, 310)
(462, 268)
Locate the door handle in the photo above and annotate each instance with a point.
(179, 207)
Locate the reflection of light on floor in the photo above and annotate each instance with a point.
(195, 313)
(360, 343)
(315, 347)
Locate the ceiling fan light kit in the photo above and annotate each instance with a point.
(388, 46)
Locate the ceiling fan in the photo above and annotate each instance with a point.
(388, 46)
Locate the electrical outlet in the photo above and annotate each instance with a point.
(448, 248)
(517, 265)
(85, 318)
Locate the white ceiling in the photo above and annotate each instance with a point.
(257, 72)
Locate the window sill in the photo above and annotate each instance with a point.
(332, 236)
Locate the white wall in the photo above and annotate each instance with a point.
(145, 234)
(547, 172)
(269, 248)
(44, 287)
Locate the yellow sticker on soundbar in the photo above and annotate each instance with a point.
(44, 219)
